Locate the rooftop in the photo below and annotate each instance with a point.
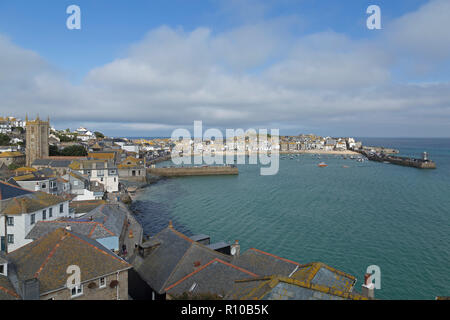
(31, 202)
(47, 259)
(8, 191)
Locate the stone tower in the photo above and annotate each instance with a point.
(37, 139)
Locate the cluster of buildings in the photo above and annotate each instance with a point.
(255, 143)
(57, 212)
(313, 142)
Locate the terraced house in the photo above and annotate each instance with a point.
(22, 209)
(38, 271)
(103, 172)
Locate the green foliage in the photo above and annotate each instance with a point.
(65, 138)
(4, 140)
(99, 135)
(74, 151)
(20, 129)
(13, 166)
(53, 151)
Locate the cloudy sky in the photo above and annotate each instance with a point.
(144, 68)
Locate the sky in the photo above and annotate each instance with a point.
(145, 68)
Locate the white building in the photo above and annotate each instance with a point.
(22, 209)
(100, 171)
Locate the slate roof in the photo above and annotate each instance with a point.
(215, 277)
(321, 274)
(31, 202)
(91, 229)
(78, 176)
(8, 191)
(85, 206)
(284, 288)
(109, 216)
(47, 259)
(7, 291)
(175, 257)
(264, 263)
(41, 162)
(312, 281)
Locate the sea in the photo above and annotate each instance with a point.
(349, 215)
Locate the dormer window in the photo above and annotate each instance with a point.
(3, 269)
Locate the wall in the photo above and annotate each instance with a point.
(97, 293)
(193, 171)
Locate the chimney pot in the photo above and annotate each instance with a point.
(368, 288)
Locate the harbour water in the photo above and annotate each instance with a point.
(349, 215)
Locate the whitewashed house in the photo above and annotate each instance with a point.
(22, 209)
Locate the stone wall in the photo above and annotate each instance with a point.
(106, 293)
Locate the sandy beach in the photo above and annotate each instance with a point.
(324, 152)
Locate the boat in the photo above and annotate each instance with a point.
(322, 164)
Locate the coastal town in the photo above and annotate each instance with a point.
(64, 201)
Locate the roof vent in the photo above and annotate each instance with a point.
(235, 248)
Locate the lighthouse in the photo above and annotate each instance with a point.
(425, 156)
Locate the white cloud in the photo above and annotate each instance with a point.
(254, 75)
(423, 33)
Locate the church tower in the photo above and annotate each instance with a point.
(37, 139)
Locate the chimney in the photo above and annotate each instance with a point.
(30, 289)
(235, 248)
(368, 288)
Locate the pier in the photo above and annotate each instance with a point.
(194, 171)
(423, 163)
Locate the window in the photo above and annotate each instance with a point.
(44, 186)
(102, 282)
(44, 215)
(33, 219)
(10, 221)
(50, 212)
(77, 291)
(10, 238)
(75, 183)
(2, 269)
(61, 208)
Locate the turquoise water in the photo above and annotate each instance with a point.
(367, 214)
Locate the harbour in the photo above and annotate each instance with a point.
(193, 171)
(344, 217)
(423, 163)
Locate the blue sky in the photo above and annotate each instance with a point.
(210, 72)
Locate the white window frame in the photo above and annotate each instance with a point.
(100, 285)
(78, 291)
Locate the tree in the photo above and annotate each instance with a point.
(4, 140)
(13, 166)
(99, 135)
(53, 151)
(74, 151)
